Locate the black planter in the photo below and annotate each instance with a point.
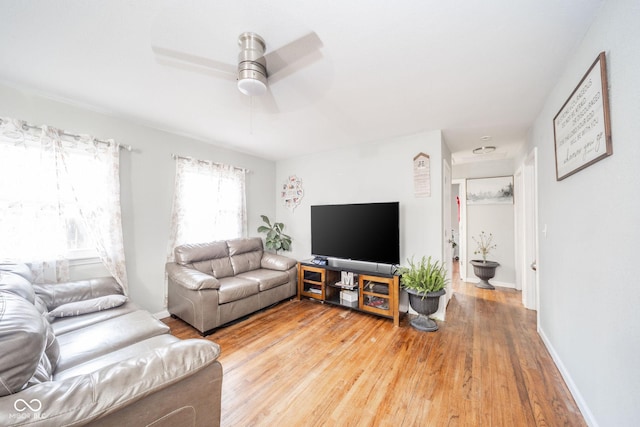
(485, 270)
(424, 307)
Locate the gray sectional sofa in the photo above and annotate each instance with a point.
(211, 284)
(80, 353)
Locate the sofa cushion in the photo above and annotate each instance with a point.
(267, 279)
(63, 325)
(192, 253)
(246, 254)
(22, 340)
(52, 347)
(49, 359)
(41, 306)
(84, 344)
(236, 288)
(190, 278)
(241, 246)
(55, 294)
(277, 262)
(113, 357)
(22, 270)
(217, 267)
(16, 284)
(92, 305)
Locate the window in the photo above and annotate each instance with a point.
(209, 203)
(59, 200)
(39, 212)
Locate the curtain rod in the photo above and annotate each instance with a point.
(27, 126)
(177, 156)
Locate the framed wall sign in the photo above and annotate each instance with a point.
(421, 175)
(582, 127)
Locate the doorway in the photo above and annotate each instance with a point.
(459, 189)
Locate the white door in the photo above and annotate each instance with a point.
(530, 249)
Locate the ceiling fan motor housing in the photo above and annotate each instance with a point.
(252, 66)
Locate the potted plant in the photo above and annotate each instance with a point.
(276, 240)
(424, 282)
(484, 269)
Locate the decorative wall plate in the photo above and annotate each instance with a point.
(292, 192)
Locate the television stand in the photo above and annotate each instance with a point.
(374, 293)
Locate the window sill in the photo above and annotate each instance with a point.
(84, 261)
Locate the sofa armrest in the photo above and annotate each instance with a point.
(277, 262)
(120, 387)
(191, 278)
(56, 294)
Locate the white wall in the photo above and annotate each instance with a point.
(372, 172)
(495, 219)
(146, 179)
(589, 292)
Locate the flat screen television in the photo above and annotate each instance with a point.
(363, 232)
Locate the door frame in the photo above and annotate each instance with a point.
(462, 227)
(526, 223)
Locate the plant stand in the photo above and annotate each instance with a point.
(425, 305)
(485, 270)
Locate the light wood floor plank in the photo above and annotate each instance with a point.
(303, 363)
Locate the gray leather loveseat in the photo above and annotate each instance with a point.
(214, 283)
(80, 353)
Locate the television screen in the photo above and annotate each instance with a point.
(363, 232)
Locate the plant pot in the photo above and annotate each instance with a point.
(425, 305)
(485, 270)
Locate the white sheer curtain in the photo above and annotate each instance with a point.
(208, 203)
(58, 195)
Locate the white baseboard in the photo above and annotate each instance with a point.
(577, 396)
(161, 314)
(493, 282)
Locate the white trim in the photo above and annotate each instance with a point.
(84, 261)
(518, 228)
(161, 314)
(493, 282)
(573, 389)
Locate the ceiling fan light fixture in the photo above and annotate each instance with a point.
(252, 66)
(485, 149)
(252, 85)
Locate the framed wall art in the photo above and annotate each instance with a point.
(582, 127)
(490, 191)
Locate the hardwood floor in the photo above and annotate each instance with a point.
(302, 363)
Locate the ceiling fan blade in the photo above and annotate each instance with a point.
(193, 62)
(268, 102)
(301, 52)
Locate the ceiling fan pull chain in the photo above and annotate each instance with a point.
(251, 115)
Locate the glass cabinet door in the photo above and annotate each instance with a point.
(375, 295)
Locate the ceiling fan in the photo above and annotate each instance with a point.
(255, 70)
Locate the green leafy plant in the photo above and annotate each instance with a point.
(485, 245)
(424, 276)
(276, 239)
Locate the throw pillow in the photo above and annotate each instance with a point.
(77, 308)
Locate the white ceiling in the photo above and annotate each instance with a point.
(471, 68)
